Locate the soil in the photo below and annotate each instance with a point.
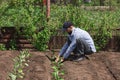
(6, 63)
(39, 67)
(101, 66)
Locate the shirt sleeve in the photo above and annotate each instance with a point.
(70, 48)
(64, 48)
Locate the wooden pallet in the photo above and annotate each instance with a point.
(9, 33)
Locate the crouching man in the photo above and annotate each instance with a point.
(79, 42)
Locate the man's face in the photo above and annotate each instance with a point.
(69, 30)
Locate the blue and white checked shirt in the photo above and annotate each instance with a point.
(76, 34)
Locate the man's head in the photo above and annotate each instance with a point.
(68, 26)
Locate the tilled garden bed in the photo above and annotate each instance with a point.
(101, 66)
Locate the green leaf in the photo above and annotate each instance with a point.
(21, 76)
(26, 64)
(12, 76)
(20, 70)
(62, 72)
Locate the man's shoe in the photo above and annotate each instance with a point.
(80, 58)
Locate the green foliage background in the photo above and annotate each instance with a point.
(31, 15)
(99, 24)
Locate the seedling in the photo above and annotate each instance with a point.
(57, 71)
(19, 63)
(56, 66)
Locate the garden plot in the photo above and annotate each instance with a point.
(38, 69)
(101, 66)
(6, 63)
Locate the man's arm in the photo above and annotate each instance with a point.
(64, 48)
(70, 48)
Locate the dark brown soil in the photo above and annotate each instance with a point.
(101, 66)
(39, 67)
(6, 63)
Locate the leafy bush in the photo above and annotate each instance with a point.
(13, 45)
(41, 39)
(98, 23)
(2, 47)
(28, 14)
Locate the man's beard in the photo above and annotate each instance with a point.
(69, 33)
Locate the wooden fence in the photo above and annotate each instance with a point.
(113, 44)
(55, 42)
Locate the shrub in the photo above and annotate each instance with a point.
(28, 14)
(2, 47)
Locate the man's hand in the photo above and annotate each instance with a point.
(58, 58)
(62, 60)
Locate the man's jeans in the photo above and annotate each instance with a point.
(82, 48)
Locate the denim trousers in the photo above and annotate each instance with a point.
(82, 47)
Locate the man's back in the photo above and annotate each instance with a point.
(84, 35)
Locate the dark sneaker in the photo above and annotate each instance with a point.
(80, 58)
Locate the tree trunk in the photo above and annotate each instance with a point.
(44, 2)
(48, 10)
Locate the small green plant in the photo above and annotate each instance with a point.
(2, 47)
(57, 72)
(19, 63)
(56, 66)
(41, 39)
(13, 45)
